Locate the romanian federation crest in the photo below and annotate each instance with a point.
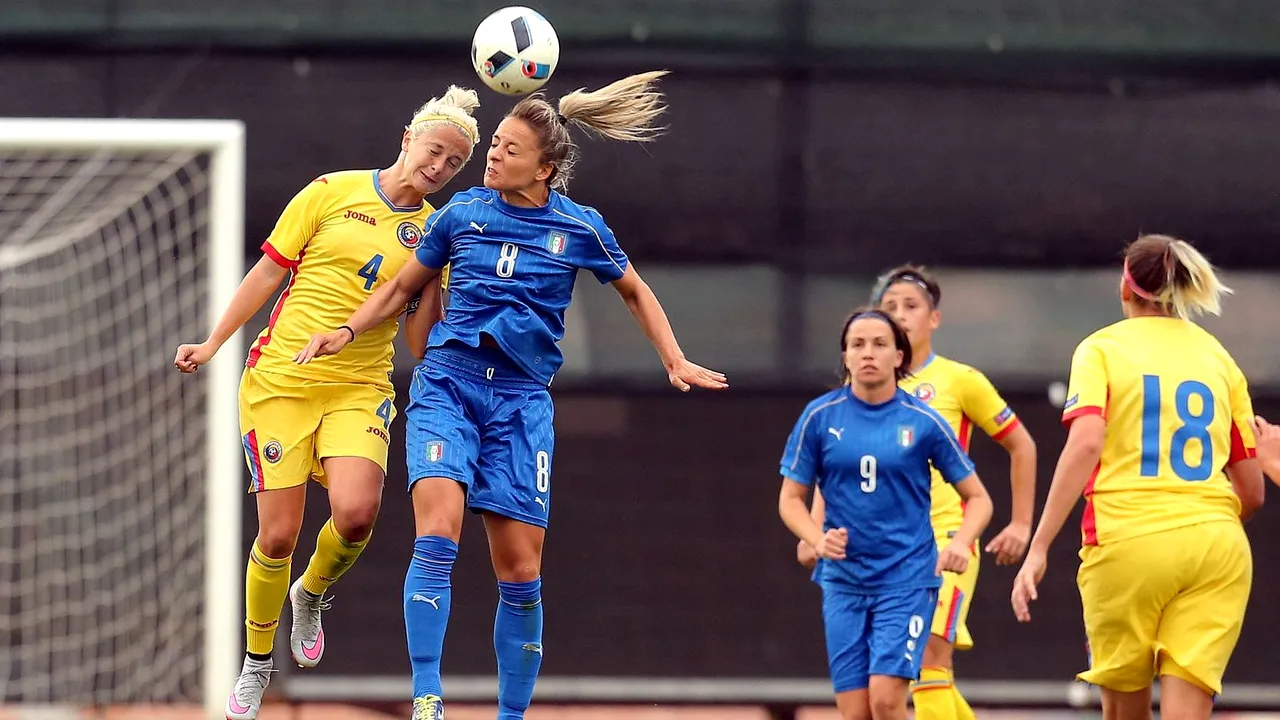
(272, 452)
(409, 235)
(924, 392)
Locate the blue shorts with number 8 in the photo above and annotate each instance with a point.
(875, 634)
(475, 417)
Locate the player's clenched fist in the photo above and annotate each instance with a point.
(832, 544)
(191, 357)
(953, 558)
(805, 555)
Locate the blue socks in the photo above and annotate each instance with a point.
(427, 597)
(517, 641)
(517, 628)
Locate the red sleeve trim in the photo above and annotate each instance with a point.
(1081, 412)
(279, 259)
(1238, 449)
(1017, 422)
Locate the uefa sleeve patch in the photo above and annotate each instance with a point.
(1003, 416)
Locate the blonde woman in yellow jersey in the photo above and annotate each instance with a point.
(964, 397)
(340, 238)
(1161, 447)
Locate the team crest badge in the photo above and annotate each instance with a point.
(557, 242)
(435, 450)
(272, 452)
(409, 235)
(906, 436)
(925, 392)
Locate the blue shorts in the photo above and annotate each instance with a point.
(875, 634)
(475, 417)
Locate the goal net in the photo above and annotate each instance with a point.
(120, 482)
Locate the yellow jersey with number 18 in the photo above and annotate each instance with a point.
(341, 238)
(1177, 410)
(964, 397)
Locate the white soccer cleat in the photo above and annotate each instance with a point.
(246, 696)
(306, 636)
(428, 707)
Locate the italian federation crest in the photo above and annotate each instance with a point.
(435, 450)
(906, 436)
(556, 242)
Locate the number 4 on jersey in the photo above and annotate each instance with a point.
(370, 272)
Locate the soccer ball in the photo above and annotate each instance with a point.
(515, 50)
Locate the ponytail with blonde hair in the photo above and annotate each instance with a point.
(454, 108)
(623, 110)
(1171, 274)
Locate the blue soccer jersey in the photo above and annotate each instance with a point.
(512, 271)
(871, 463)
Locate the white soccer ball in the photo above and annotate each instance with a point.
(515, 50)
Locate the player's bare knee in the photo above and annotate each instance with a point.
(938, 652)
(276, 542)
(888, 706)
(518, 572)
(355, 521)
(438, 506)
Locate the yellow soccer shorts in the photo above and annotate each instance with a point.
(1168, 603)
(950, 618)
(288, 425)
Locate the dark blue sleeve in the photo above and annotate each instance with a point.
(437, 240)
(802, 459)
(945, 452)
(604, 258)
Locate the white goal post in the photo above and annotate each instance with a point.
(121, 487)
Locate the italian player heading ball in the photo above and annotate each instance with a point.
(480, 432)
(1161, 446)
(340, 238)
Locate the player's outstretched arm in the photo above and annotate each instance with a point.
(257, 287)
(384, 303)
(429, 311)
(1078, 459)
(652, 319)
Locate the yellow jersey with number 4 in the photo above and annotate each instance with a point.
(964, 397)
(341, 238)
(1177, 410)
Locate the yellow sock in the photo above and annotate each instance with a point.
(933, 695)
(334, 556)
(265, 587)
(963, 711)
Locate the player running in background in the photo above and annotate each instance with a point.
(964, 397)
(480, 417)
(340, 237)
(868, 447)
(1161, 448)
